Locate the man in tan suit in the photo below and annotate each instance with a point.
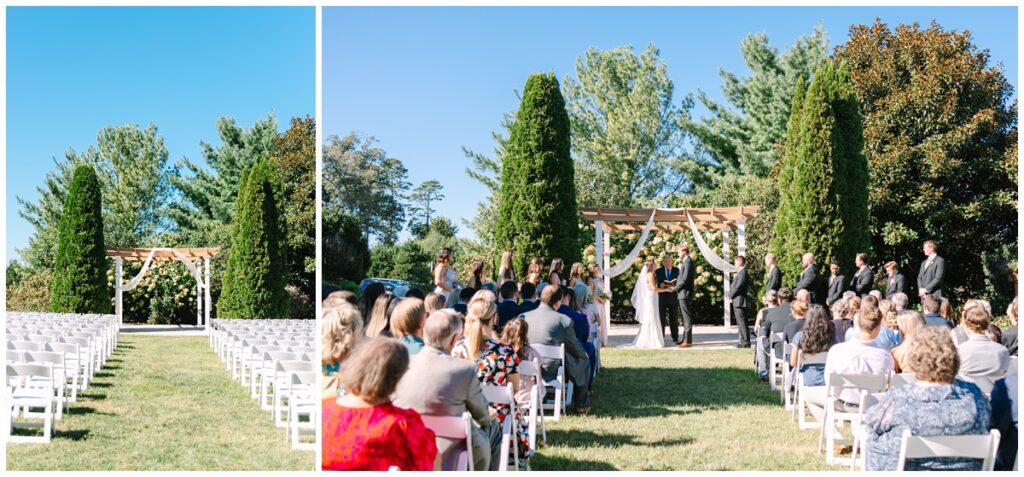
(439, 385)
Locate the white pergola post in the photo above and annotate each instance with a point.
(725, 278)
(606, 263)
(199, 303)
(206, 293)
(118, 304)
(741, 237)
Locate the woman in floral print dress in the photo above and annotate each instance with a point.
(497, 363)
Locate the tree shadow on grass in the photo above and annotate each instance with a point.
(83, 410)
(543, 462)
(93, 396)
(647, 392)
(99, 385)
(73, 434)
(581, 438)
(102, 374)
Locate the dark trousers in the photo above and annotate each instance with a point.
(739, 315)
(667, 312)
(684, 310)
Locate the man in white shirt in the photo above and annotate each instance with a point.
(981, 359)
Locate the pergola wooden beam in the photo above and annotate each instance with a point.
(639, 215)
(139, 254)
(665, 227)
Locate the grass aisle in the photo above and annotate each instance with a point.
(685, 410)
(163, 403)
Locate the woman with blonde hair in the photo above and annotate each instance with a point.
(505, 270)
(341, 331)
(596, 290)
(533, 273)
(497, 363)
(379, 316)
(407, 324)
(909, 322)
(555, 272)
(444, 274)
(433, 302)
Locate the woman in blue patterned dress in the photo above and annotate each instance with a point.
(497, 363)
(936, 405)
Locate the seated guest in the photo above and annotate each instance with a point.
(549, 327)
(875, 293)
(960, 334)
(900, 301)
(433, 302)
(368, 299)
(980, 357)
(1009, 339)
(799, 310)
(887, 338)
(1004, 419)
(339, 296)
(841, 319)
(775, 321)
(515, 335)
(770, 300)
(378, 324)
(580, 325)
(407, 324)
(936, 405)
(438, 384)
(930, 306)
(508, 309)
(363, 430)
(816, 337)
(528, 292)
(415, 293)
(341, 332)
(889, 321)
(465, 295)
(497, 364)
(859, 355)
(909, 322)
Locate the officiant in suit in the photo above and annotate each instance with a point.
(861, 283)
(738, 299)
(809, 279)
(836, 284)
(683, 289)
(933, 271)
(666, 277)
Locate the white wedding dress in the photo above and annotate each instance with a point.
(645, 301)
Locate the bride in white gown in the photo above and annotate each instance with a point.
(645, 301)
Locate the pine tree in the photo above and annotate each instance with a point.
(254, 283)
(823, 178)
(538, 215)
(80, 271)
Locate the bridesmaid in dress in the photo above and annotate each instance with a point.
(444, 274)
(597, 286)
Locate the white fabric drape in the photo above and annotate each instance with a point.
(149, 260)
(188, 264)
(718, 262)
(142, 273)
(627, 262)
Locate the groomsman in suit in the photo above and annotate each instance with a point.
(528, 292)
(738, 299)
(668, 276)
(836, 284)
(773, 280)
(808, 278)
(896, 283)
(508, 309)
(933, 271)
(861, 283)
(683, 289)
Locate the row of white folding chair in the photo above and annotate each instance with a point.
(59, 374)
(562, 386)
(504, 395)
(455, 428)
(303, 401)
(30, 386)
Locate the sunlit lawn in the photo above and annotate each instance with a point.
(163, 403)
(679, 410)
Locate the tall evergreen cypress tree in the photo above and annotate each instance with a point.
(823, 177)
(254, 282)
(538, 215)
(80, 270)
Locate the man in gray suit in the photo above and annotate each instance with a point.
(738, 300)
(549, 327)
(933, 271)
(439, 385)
(683, 289)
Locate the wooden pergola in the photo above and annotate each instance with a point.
(193, 258)
(725, 219)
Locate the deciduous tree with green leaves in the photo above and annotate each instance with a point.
(940, 129)
(296, 162)
(255, 279)
(80, 270)
(537, 210)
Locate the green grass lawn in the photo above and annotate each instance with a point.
(686, 410)
(163, 403)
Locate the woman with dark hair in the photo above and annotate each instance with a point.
(814, 340)
(515, 335)
(505, 271)
(444, 274)
(369, 298)
(476, 280)
(555, 272)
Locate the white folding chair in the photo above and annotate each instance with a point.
(835, 383)
(15, 357)
(85, 355)
(562, 386)
(902, 379)
(302, 402)
(282, 387)
(509, 431)
(981, 446)
(800, 409)
(859, 433)
(59, 376)
(458, 428)
(775, 360)
(270, 359)
(258, 367)
(73, 365)
(25, 346)
(531, 369)
(984, 382)
(786, 393)
(30, 386)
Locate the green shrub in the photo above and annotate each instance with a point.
(346, 255)
(30, 293)
(79, 284)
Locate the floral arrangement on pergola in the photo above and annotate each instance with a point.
(193, 258)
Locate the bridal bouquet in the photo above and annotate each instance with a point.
(604, 295)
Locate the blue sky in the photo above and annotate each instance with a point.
(71, 71)
(426, 81)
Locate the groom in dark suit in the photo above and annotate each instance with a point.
(933, 271)
(683, 289)
(666, 277)
(738, 300)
